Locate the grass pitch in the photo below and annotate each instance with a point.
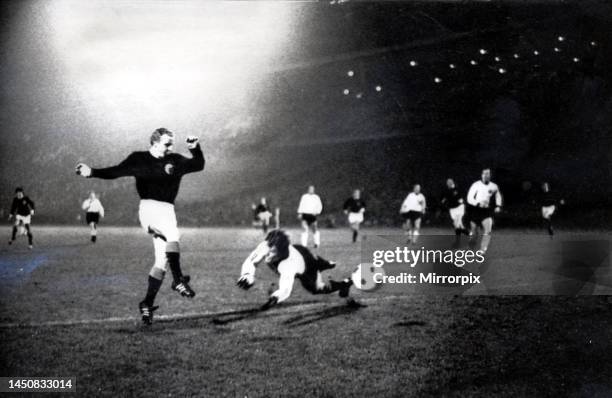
(69, 308)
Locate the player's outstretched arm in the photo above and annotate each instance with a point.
(285, 286)
(131, 166)
(247, 272)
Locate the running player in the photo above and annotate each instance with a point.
(548, 203)
(93, 212)
(453, 201)
(412, 210)
(354, 207)
(309, 208)
(484, 200)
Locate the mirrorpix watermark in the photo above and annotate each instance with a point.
(512, 264)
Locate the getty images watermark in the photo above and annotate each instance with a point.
(518, 264)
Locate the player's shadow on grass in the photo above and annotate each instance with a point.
(319, 315)
(407, 324)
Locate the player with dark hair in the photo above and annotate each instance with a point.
(453, 201)
(480, 198)
(158, 174)
(412, 210)
(93, 212)
(22, 209)
(548, 202)
(262, 214)
(309, 208)
(290, 262)
(354, 207)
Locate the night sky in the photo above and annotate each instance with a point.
(375, 96)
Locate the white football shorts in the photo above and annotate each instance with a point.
(23, 219)
(160, 217)
(355, 218)
(548, 211)
(457, 213)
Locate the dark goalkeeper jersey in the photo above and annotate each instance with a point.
(22, 206)
(354, 205)
(157, 179)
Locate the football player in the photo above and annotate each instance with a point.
(309, 208)
(93, 212)
(354, 207)
(548, 203)
(290, 262)
(412, 210)
(22, 209)
(263, 214)
(484, 200)
(158, 174)
(453, 201)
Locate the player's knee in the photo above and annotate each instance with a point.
(158, 272)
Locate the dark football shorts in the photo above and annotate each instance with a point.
(412, 215)
(478, 214)
(309, 218)
(92, 217)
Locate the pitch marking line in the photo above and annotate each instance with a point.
(181, 317)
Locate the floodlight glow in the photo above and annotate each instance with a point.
(346, 91)
(413, 63)
(350, 73)
(536, 52)
(437, 80)
(452, 66)
(516, 56)
(473, 62)
(501, 70)
(576, 59)
(561, 38)
(163, 62)
(482, 51)
(378, 88)
(557, 49)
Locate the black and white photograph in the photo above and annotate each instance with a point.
(318, 198)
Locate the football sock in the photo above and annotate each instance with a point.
(304, 239)
(549, 227)
(317, 238)
(355, 234)
(153, 288)
(484, 244)
(175, 266)
(458, 231)
(14, 235)
(30, 236)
